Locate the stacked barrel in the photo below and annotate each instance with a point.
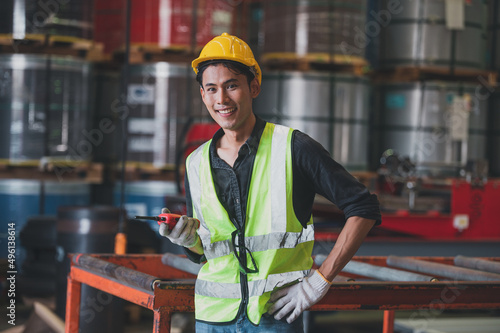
(69, 101)
(45, 109)
(313, 79)
(431, 75)
(45, 102)
(422, 73)
(153, 100)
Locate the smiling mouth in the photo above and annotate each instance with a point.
(226, 111)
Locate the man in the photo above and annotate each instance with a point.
(252, 187)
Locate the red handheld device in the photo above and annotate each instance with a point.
(168, 218)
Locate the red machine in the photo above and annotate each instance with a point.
(474, 214)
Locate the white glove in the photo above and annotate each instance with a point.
(184, 233)
(298, 297)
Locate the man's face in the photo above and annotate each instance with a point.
(228, 97)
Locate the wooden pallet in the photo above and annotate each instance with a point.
(53, 45)
(136, 171)
(148, 53)
(58, 170)
(329, 62)
(413, 73)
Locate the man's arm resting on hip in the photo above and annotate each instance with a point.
(350, 238)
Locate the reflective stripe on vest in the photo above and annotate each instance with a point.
(279, 244)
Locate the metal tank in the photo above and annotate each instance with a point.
(34, 19)
(43, 107)
(163, 100)
(415, 33)
(331, 108)
(440, 126)
(315, 29)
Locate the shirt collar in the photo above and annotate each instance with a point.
(252, 142)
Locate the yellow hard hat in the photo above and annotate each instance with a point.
(228, 47)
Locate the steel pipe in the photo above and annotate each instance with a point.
(384, 273)
(120, 273)
(181, 263)
(377, 272)
(448, 271)
(373, 271)
(479, 264)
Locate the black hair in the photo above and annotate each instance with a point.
(234, 66)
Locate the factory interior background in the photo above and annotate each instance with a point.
(99, 109)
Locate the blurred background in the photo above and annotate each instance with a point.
(99, 109)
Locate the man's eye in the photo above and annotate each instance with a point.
(232, 86)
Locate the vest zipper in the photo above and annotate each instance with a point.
(243, 277)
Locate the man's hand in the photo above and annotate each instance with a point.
(184, 233)
(299, 297)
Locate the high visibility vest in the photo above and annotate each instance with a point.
(278, 242)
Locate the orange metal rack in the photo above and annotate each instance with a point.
(146, 281)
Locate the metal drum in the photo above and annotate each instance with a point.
(33, 19)
(22, 199)
(88, 230)
(38, 239)
(163, 100)
(331, 108)
(440, 126)
(110, 24)
(168, 24)
(417, 35)
(43, 108)
(315, 29)
(494, 34)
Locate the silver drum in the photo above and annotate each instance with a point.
(331, 108)
(438, 125)
(44, 108)
(417, 35)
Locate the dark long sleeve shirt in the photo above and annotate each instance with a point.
(314, 172)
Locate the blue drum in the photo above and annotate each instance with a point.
(145, 198)
(21, 199)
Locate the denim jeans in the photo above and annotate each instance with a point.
(242, 325)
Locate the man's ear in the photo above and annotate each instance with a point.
(254, 88)
(202, 93)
